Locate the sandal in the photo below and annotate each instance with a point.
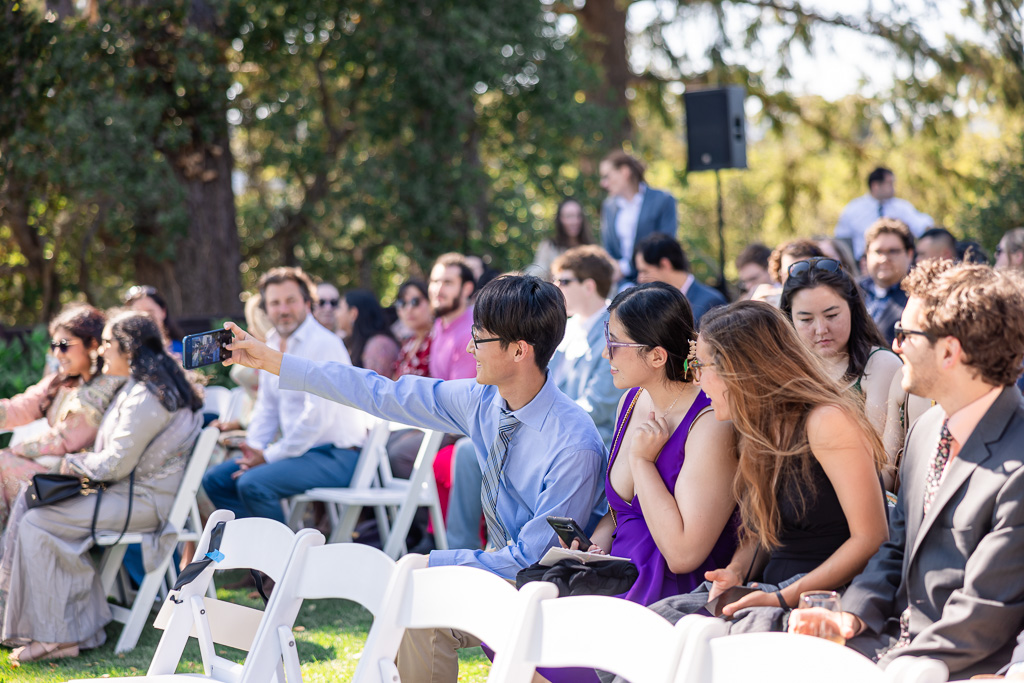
(37, 651)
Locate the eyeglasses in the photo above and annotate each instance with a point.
(828, 265)
(411, 303)
(62, 345)
(137, 292)
(477, 342)
(564, 281)
(901, 334)
(615, 344)
(698, 368)
(999, 250)
(333, 303)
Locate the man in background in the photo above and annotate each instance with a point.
(879, 202)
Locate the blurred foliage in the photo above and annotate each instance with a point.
(22, 361)
(368, 137)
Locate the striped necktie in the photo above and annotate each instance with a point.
(496, 533)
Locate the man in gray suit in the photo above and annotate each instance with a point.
(584, 275)
(660, 258)
(632, 210)
(949, 583)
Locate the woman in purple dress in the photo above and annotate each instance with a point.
(671, 468)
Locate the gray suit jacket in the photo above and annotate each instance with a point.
(657, 214)
(588, 381)
(961, 566)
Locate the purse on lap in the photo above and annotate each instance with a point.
(48, 489)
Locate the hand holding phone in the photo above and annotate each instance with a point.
(206, 348)
(568, 531)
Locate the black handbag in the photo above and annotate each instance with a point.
(609, 577)
(48, 489)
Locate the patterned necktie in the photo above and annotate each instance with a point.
(939, 462)
(931, 485)
(496, 533)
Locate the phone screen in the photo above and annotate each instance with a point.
(714, 606)
(206, 348)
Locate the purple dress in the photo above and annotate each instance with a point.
(633, 537)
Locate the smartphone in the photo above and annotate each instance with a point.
(567, 530)
(714, 607)
(206, 348)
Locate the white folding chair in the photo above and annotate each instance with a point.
(346, 571)
(376, 487)
(233, 411)
(184, 516)
(463, 598)
(612, 634)
(216, 400)
(253, 543)
(791, 658)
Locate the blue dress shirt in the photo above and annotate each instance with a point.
(554, 464)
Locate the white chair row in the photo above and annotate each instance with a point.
(394, 501)
(527, 628)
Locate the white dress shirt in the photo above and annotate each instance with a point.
(860, 213)
(626, 220)
(302, 419)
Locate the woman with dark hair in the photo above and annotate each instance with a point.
(146, 299)
(811, 505)
(413, 304)
(671, 466)
(366, 332)
(825, 306)
(72, 400)
(571, 230)
(53, 603)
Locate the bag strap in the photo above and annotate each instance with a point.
(195, 568)
(96, 511)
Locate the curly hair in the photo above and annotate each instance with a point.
(981, 307)
(138, 337)
(798, 249)
(773, 383)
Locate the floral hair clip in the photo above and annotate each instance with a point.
(688, 363)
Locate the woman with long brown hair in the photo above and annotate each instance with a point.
(811, 503)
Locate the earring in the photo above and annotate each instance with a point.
(692, 356)
(94, 362)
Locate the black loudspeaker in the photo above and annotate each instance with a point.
(716, 131)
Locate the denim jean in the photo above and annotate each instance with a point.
(258, 491)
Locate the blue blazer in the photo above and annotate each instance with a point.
(657, 214)
(588, 381)
(702, 299)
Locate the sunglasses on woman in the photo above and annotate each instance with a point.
(612, 345)
(411, 303)
(828, 265)
(62, 346)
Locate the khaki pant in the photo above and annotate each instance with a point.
(430, 655)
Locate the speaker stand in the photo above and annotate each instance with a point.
(722, 286)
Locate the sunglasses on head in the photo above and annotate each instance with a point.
(828, 265)
(63, 345)
(411, 303)
(137, 292)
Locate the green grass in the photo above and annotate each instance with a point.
(330, 636)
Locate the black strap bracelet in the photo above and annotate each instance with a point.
(782, 601)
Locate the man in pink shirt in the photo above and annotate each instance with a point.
(949, 582)
(450, 288)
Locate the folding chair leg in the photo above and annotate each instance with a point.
(395, 547)
(343, 531)
(140, 610)
(110, 566)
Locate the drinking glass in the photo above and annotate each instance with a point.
(828, 600)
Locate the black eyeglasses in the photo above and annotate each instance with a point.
(564, 281)
(828, 265)
(477, 341)
(333, 303)
(63, 345)
(902, 334)
(411, 303)
(137, 292)
(617, 344)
